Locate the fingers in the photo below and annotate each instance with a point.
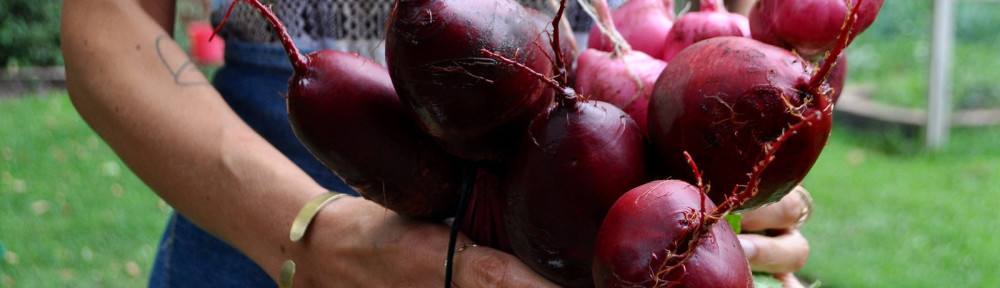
(478, 266)
(784, 214)
(788, 280)
(784, 253)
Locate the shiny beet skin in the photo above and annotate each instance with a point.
(650, 220)
(723, 100)
(344, 110)
(474, 106)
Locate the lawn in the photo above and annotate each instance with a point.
(889, 214)
(71, 214)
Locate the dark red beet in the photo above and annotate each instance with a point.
(578, 157)
(711, 21)
(576, 162)
(810, 27)
(473, 106)
(644, 234)
(343, 108)
(724, 100)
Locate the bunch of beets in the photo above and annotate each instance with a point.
(613, 172)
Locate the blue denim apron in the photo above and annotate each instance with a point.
(252, 82)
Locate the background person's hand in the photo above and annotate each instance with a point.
(356, 243)
(771, 237)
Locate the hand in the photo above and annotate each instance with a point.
(356, 243)
(781, 250)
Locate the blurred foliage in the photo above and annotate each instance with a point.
(893, 55)
(29, 33)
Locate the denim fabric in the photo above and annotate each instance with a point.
(252, 82)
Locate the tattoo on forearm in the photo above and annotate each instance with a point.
(179, 73)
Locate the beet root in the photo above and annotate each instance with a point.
(711, 21)
(810, 27)
(576, 161)
(725, 100)
(625, 80)
(643, 242)
(344, 110)
(642, 23)
(473, 106)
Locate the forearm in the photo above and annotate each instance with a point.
(128, 80)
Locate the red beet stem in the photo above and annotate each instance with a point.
(566, 95)
(709, 6)
(560, 64)
(843, 39)
(694, 167)
(298, 61)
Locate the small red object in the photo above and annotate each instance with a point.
(203, 51)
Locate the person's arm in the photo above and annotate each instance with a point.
(139, 91)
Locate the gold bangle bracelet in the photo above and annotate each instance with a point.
(299, 225)
(309, 211)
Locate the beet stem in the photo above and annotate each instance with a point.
(708, 6)
(468, 181)
(560, 64)
(601, 15)
(843, 39)
(298, 61)
(566, 95)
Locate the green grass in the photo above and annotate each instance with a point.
(889, 214)
(71, 214)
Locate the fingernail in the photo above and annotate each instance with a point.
(748, 248)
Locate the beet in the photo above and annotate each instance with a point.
(810, 27)
(642, 23)
(344, 110)
(473, 106)
(711, 21)
(578, 157)
(724, 100)
(625, 81)
(669, 234)
(623, 77)
(647, 231)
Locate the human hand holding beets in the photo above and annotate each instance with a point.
(357, 243)
(771, 239)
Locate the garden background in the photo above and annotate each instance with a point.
(889, 212)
